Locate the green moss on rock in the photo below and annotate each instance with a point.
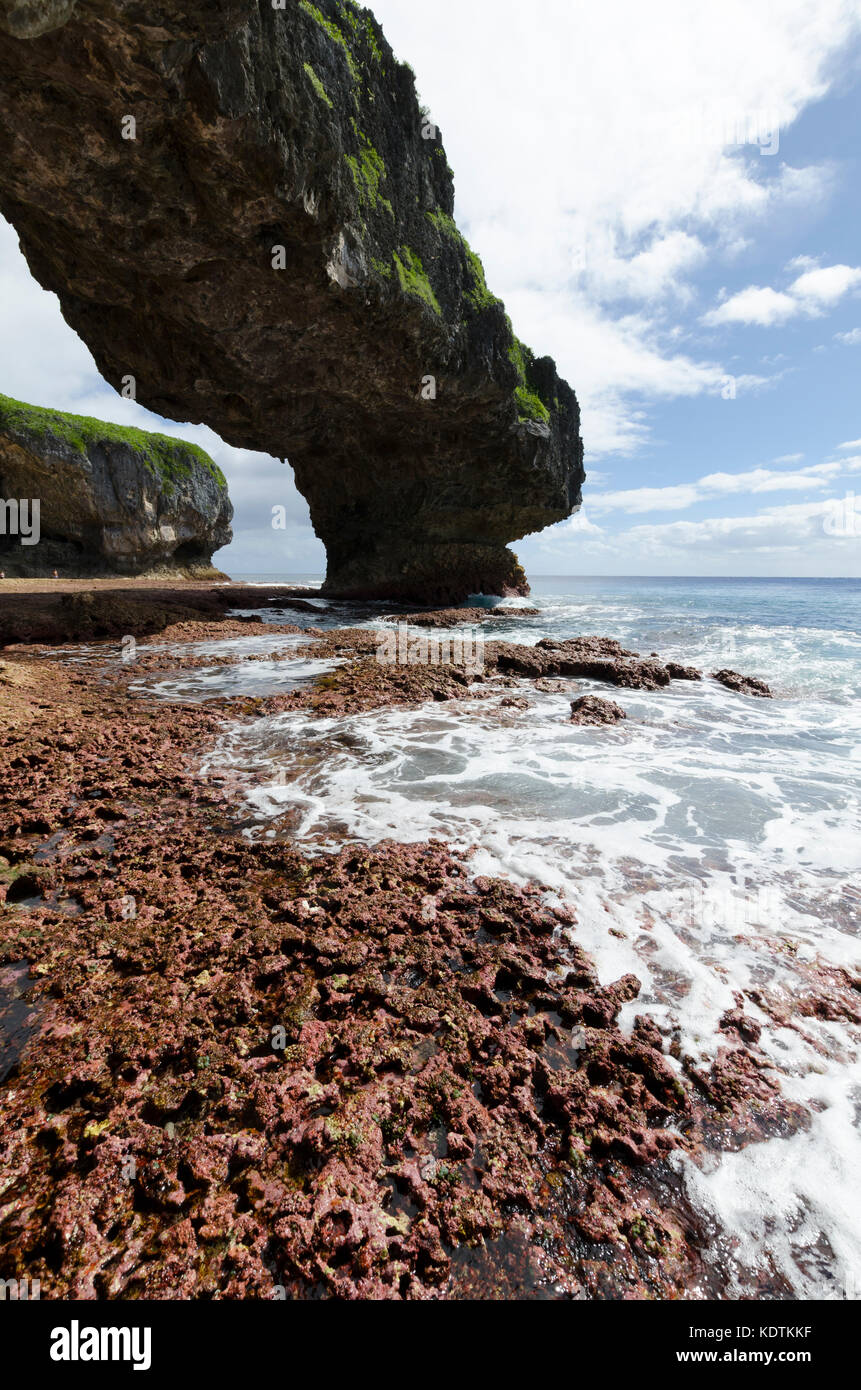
(172, 459)
(531, 407)
(369, 171)
(529, 404)
(318, 86)
(413, 278)
(334, 33)
(478, 295)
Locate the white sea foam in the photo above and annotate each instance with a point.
(257, 678)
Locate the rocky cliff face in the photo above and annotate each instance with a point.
(111, 500)
(243, 206)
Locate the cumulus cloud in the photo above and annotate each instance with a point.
(680, 497)
(826, 284)
(809, 538)
(756, 304)
(776, 529)
(811, 294)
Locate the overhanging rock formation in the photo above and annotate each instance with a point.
(244, 208)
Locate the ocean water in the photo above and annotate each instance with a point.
(718, 836)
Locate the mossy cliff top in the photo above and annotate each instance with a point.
(112, 499)
(171, 459)
(297, 282)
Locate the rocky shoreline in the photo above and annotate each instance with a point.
(230, 1070)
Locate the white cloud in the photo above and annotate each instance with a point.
(41, 359)
(756, 304)
(777, 529)
(826, 284)
(659, 269)
(680, 497)
(799, 538)
(850, 444)
(851, 339)
(580, 525)
(811, 294)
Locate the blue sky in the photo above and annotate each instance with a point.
(668, 198)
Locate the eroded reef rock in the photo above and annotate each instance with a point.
(245, 208)
(591, 709)
(744, 685)
(111, 500)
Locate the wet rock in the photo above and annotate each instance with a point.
(590, 709)
(553, 687)
(586, 658)
(683, 673)
(455, 617)
(744, 685)
(256, 1070)
(737, 1021)
(440, 617)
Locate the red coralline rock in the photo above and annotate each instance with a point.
(456, 617)
(255, 1074)
(553, 687)
(589, 709)
(647, 1030)
(744, 685)
(587, 658)
(735, 1020)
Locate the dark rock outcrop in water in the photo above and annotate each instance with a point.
(581, 658)
(111, 500)
(591, 709)
(683, 673)
(744, 685)
(274, 253)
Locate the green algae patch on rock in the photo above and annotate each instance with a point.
(413, 280)
(317, 85)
